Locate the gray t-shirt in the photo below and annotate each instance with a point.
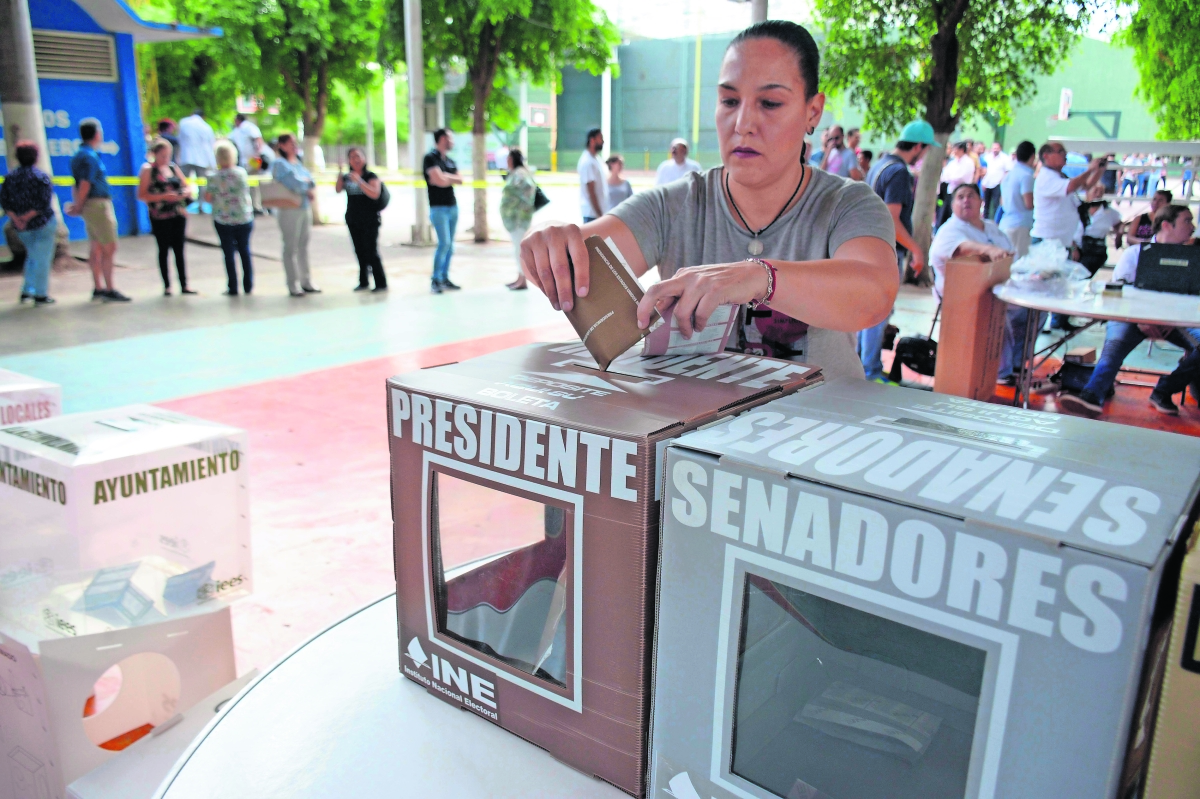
(689, 223)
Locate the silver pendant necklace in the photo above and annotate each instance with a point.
(755, 247)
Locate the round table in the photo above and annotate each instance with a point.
(336, 718)
(1135, 306)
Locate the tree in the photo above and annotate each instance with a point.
(503, 41)
(947, 61)
(1165, 37)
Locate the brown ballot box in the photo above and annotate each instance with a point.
(525, 500)
(972, 329)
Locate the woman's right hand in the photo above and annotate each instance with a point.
(546, 259)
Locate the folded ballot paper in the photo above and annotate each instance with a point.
(872, 720)
(606, 319)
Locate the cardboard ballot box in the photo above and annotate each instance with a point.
(525, 498)
(55, 726)
(27, 399)
(869, 591)
(147, 508)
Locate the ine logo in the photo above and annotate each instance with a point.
(417, 654)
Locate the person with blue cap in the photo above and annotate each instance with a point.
(892, 180)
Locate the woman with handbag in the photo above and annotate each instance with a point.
(228, 191)
(295, 216)
(363, 189)
(517, 204)
(165, 190)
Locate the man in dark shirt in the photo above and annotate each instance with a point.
(92, 200)
(892, 181)
(441, 176)
(166, 130)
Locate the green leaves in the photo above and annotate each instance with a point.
(1165, 37)
(882, 53)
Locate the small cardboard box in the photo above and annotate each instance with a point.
(106, 490)
(48, 686)
(27, 399)
(525, 499)
(972, 331)
(871, 591)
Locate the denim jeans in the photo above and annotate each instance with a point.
(236, 239)
(1012, 348)
(445, 220)
(870, 341)
(39, 254)
(1120, 339)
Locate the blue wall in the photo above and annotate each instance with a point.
(66, 102)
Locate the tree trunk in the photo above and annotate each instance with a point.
(925, 204)
(479, 159)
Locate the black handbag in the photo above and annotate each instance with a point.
(918, 353)
(540, 200)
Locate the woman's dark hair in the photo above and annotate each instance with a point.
(799, 40)
(968, 187)
(1025, 151)
(356, 149)
(284, 138)
(613, 159)
(27, 152)
(1168, 214)
(518, 158)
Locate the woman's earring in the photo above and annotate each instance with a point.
(810, 130)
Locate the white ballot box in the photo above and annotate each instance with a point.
(27, 399)
(70, 703)
(120, 517)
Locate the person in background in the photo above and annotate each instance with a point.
(892, 180)
(998, 165)
(1055, 203)
(1189, 172)
(363, 187)
(295, 224)
(677, 166)
(1172, 225)
(864, 162)
(27, 197)
(959, 169)
(591, 178)
(233, 215)
(164, 189)
(966, 234)
(837, 158)
(1140, 228)
(1096, 221)
(617, 187)
(166, 130)
(248, 140)
(853, 139)
(441, 176)
(92, 200)
(1016, 198)
(516, 207)
(196, 142)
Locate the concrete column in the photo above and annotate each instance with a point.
(441, 108)
(414, 49)
(20, 98)
(391, 148)
(758, 11)
(606, 112)
(524, 134)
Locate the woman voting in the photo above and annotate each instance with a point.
(810, 256)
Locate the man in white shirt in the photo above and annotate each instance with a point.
(196, 142)
(1172, 225)
(247, 138)
(591, 178)
(677, 165)
(1056, 203)
(998, 164)
(959, 169)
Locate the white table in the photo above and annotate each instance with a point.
(335, 718)
(1134, 306)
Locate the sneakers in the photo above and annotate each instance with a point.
(1163, 404)
(362, 287)
(44, 300)
(1078, 404)
(115, 296)
(378, 289)
(25, 296)
(310, 289)
(435, 287)
(447, 285)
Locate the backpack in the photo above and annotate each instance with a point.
(385, 197)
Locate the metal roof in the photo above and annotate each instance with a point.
(116, 17)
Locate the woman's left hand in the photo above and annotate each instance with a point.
(696, 291)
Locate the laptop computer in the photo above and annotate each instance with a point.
(1169, 267)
